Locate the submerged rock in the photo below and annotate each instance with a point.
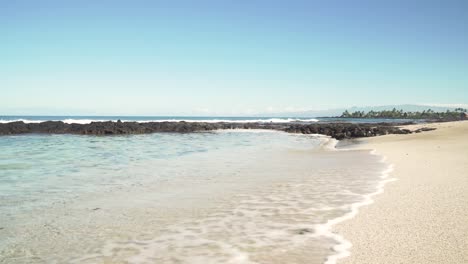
(303, 231)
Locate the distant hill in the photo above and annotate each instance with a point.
(339, 111)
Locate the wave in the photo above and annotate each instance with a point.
(342, 249)
(214, 120)
(3, 121)
(256, 223)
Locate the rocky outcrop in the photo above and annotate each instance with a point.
(348, 130)
(423, 129)
(335, 130)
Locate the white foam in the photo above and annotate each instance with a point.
(81, 121)
(329, 143)
(284, 218)
(68, 121)
(87, 121)
(343, 248)
(3, 121)
(243, 130)
(270, 120)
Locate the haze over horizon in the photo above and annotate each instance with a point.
(219, 58)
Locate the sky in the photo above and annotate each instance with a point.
(229, 57)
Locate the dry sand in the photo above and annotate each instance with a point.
(423, 216)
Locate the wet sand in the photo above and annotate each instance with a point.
(422, 217)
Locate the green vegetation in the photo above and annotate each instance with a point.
(456, 114)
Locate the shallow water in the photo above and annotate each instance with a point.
(221, 197)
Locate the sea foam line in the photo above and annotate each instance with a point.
(343, 248)
(87, 121)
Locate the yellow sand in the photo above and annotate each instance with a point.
(423, 216)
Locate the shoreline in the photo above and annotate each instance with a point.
(343, 247)
(338, 228)
(408, 222)
(272, 185)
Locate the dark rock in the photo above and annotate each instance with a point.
(424, 129)
(303, 231)
(335, 130)
(12, 128)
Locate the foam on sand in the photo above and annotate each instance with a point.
(343, 248)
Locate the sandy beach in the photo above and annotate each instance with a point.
(422, 217)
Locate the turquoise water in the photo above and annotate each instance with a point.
(219, 197)
(48, 165)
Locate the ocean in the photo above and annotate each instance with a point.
(209, 119)
(232, 196)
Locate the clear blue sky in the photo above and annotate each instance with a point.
(229, 57)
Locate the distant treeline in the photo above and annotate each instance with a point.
(456, 114)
